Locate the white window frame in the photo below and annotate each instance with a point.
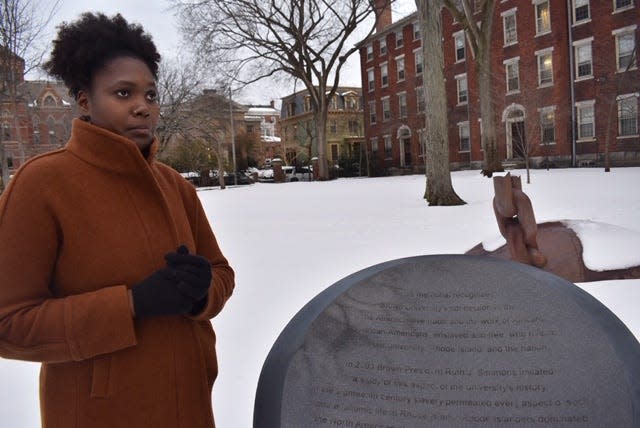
(633, 100)
(419, 60)
(402, 105)
(457, 38)
(464, 126)
(621, 32)
(374, 145)
(583, 106)
(540, 20)
(416, 31)
(401, 71)
(576, 4)
(540, 58)
(543, 111)
(578, 46)
(508, 65)
(400, 38)
(369, 52)
(371, 79)
(384, 75)
(383, 46)
(388, 146)
(617, 8)
(386, 108)
(508, 33)
(373, 117)
(462, 91)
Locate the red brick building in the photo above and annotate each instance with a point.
(37, 121)
(554, 64)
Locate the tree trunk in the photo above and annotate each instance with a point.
(320, 117)
(439, 189)
(491, 162)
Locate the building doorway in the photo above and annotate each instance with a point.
(404, 136)
(516, 142)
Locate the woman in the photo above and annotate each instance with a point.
(109, 270)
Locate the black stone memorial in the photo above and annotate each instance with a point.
(451, 341)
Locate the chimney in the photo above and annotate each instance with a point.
(272, 104)
(383, 14)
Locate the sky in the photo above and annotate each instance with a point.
(160, 21)
(288, 242)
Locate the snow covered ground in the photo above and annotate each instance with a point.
(288, 242)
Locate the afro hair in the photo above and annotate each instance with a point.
(83, 47)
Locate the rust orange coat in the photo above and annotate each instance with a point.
(78, 227)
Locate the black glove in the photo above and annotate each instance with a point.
(161, 293)
(196, 275)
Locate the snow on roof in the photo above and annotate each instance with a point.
(262, 111)
(270, 139)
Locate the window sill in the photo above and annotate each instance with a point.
(506, 45)
(586, 140)
(583, 78)
(545, 85)
(516, 92)
(623, 9)
(464, 151)
(543, 34)
(550, 143)
(459, 61)
(462, 104)
(584, 21)
(627, 137)
(624, 69)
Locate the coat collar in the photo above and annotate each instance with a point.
(108, 150)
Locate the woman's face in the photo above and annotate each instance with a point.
(123, 98)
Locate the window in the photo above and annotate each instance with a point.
(387, 146)
(416, 31)
(548, 125)
(419, 60)
(386, 109)
(625, 46)
(384, 75)
(399, 39)
(369, 52)
(463, 93)
(622, 4)
(371, 80)
(543, 19)
(6, 131)
(354, 127)
(586, 126)
(333, 126)
(49, 101)
(459, 42)
(584, 61)
(581, 11)
(400, 68)
(383, 47)
(307, 103)
(335, 153)
(36, 137)
(374, 145)
(372, 112)
(421, 101)
(351, 103)
(402, 104)
(545, 67)
(513, 75)
(463, 133)
(628, 115)
(52, 137)
(510, 30)
(333, 103)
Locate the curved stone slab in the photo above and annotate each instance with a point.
(451, 341)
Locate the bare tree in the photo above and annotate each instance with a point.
(178, 86)
(22, 24)
(439, 189)
(478, 28)
(307, 40)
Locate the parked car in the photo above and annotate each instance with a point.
(265, 174)
(229, 179)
